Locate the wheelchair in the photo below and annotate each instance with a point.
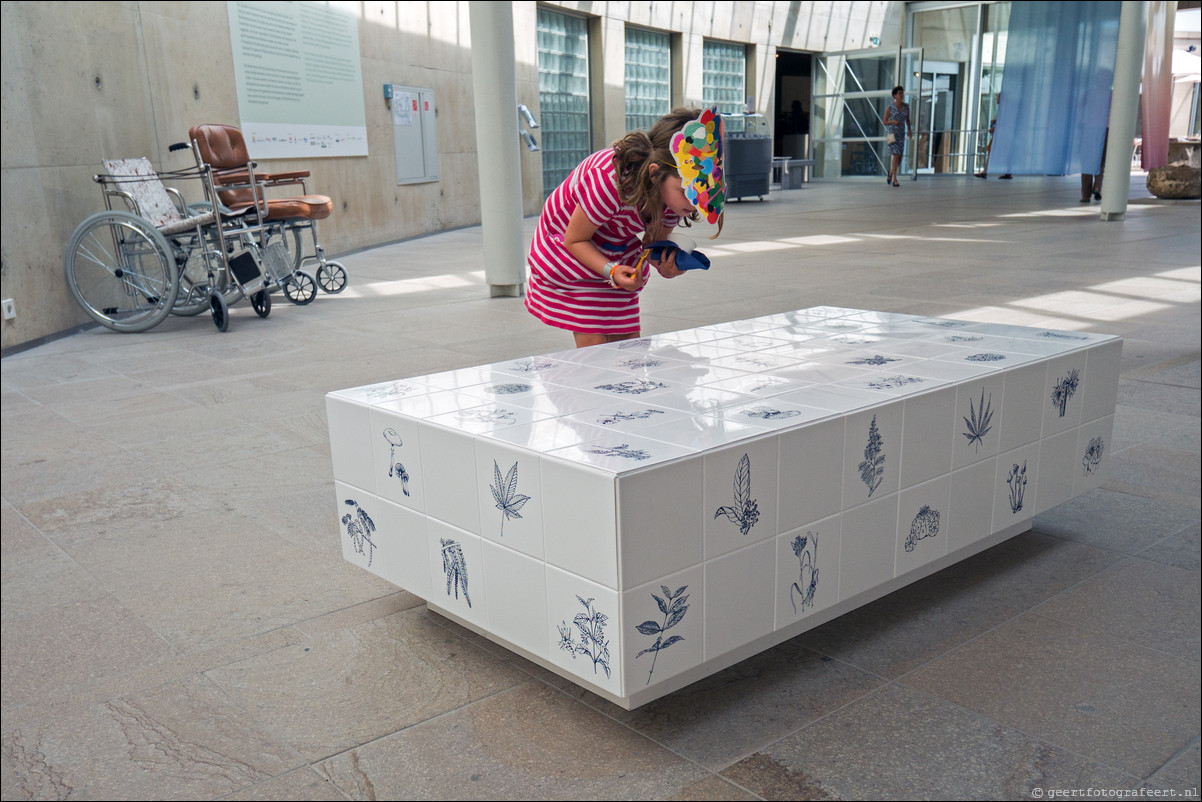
(284, 220)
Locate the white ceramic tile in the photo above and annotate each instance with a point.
(871, 454)
(621, 452)
(755, 361)
(977, 423)
(516, 598)
(1063, 392)
(1102, 363)
(1059, 461)
(926, 441)
(971, 516)
(580, 520)
(959, 369)
(1027, 345)
(669, 612)
(358, 529)
(631, 388)
(661, 520)
(627, 416)
(835, 399)
(739, 603)
(923, 518)
(396, 458)
(488, 417)
(741, 486)
(457, 577)
(895, 385)
(509, 493)
(351, 442)
(1016, 486)
(1022, 406)
(760, 385)
(772, 413)
(867, 552)
(960, 339)
(547, 434)
(752, 342)
(700, 374)
(701, 432)
(506, 390)
(688, 337)
(384, 391)
(530, 367)
(1093, 454)
(431, 404)
(699, 400)
(448, 472)
(826, 369)
(859, 339)
(402, 539)
(584, 629)
(811, 475)
(871, 360)
(807, 570)
(1068, 339)
(925, 349)
(556, 401)
(944, 323)
(460, 378)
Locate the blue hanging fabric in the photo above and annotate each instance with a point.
(1056, 88)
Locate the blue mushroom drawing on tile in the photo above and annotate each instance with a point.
(455, 567)
(1065, 389)
(359, 528)
(978, 421)
(673, 606)
(1017, 480)
(396, 468)
(1093, 455)
(924, 525)
(505, 493)
(591, 629)
(872, 467)
(805, 548)
(745, 511)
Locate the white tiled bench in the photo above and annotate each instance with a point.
(713, 491)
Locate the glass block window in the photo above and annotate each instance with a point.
(648, 77)
(563, 94)
(723, 81)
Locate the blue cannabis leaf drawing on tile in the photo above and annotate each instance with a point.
(876, 359)
(985, 357)
(894, 382)
(924, 525)
(395, 468)
(505, 493)
(806, 549)
(962, 338)
(622, 450)
(1093, 455)
(745, 512)
(509, 389)
(632, 387)
(1056, 335)
(1065, 389)
(978, 420)
(359, 528)
(593, 643)
(673, 606)
(1018, 486)
(872, 468)
(764, 412)
(642, 414)
(455, 567)
(504, 416)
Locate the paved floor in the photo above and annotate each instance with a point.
(178, 621)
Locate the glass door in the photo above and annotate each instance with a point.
(938, 146)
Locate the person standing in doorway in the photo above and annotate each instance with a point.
(897, 124)
(989, 148)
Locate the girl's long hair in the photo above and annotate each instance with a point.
(640, 186)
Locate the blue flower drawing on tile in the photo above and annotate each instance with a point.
(509, 389)
(455, 567)
(872, 468)
(622, 450)
(962, 338)
(616, 417)
(505, 493)
(978, 421)
(593, 644)
(359, 527)
(674, 607)
(395, 468)
(1018, 486)
(765, 412)
(635, 363)
(502, 416)
(1065, 389)
(1056, 335)
(985, 357)
(805, 548)
(876, 359)
(632, 387)
(894, 382)
(1093, 455)
(745, 511)
(924, 525)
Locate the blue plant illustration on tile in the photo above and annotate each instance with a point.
(632, 387)
(805, 547)
(455, 567)
(390, 391)
(635, 363)
(978, 421)
(639, 343)
(1056, 335)
(745, 511)
(593, 644)
(755, 361)
(359, 527)
(962, 338)
(984, 357)
(843, 325)
(872, 468)
(853, 339)
(945, 324)
(502, 416)
(642, 414)
(766, 383)
(505, 493)
(530, 366)
(765, 412)
(876, 359)
(395, 468)
(1093, 455)
(511, 388)
(622, 450)
(894, 382)
(924, 525)
(1065, 389)
(1018, 486)
(674, 607)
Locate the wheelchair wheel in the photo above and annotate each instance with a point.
(261, 303)
(301, 288)
(221, 312)
(331, 276)
(122, 271)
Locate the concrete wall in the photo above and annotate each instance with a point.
(86, 81)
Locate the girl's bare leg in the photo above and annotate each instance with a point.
(585, 340)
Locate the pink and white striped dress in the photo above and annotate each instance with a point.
(566, 294)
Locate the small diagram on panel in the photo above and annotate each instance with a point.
(872, 468)
(592, 644)
(1065, 389)
(511, 388)
(1018, 486)
(805, 548)
(632, 387)
(359, 527)
(1093, 456)
(617, 417)
(395, 467)
(977, 424)
(745, 511)
(893, 382)
(876, 359)
(674, 607)
(924, 525)
(622, 450)
(505, 493)
(500, 416)
(455, 567)
(765, 412)
(984, 357)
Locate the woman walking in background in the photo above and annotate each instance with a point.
(897, 123)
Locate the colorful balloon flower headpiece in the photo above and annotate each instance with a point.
(698, 151)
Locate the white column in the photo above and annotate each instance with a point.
(497, 147)
(1124, 108)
